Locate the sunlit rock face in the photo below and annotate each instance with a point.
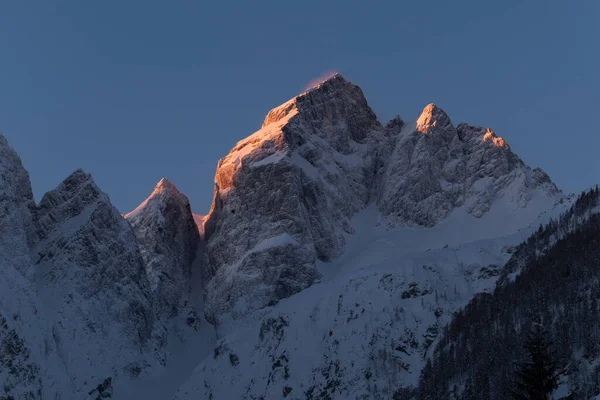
(285, 194)
(437, 168)
(168, 238)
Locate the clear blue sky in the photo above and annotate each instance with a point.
(136, 90)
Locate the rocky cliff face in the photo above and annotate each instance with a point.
(285, 194)
(168, 239)
(91, 279)
(437, 168)
(75, 301)
(18, 209)
(85, 294)
(20, 369)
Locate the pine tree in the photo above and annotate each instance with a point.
(427, 389)
(536, 377)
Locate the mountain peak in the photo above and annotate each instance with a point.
(163, 192)
(432, 119)
(165, 185)
(13, 176)
(322, 98)
(168, 239)
(79, 185)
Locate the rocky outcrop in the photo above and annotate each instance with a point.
(168, 238)
(75, 302)
(20, 369)
(437, 168)
(91, 280)
(18, 209)
(285, 194)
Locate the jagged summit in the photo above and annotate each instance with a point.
(69, 186)
(438, 168)
(330, 99)
(165, 185)
(281, 111)
(71, 197)
(284, 195)
(168, 238)
(433, 120)
(163, 191)
(323, 156)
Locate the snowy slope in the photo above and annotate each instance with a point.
(366, 327)
(403, 223)
(284, 196)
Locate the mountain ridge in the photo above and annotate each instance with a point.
(331, 157)
(307, 212)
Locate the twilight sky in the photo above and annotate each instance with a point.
(134, 91)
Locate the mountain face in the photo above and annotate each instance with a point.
(429, 215)
(438, 168)
(284, 196)
(20, 371)
(91, 278)
(335, 253)
(168, 238)
(76, 306)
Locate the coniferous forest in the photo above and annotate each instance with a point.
(552, 282)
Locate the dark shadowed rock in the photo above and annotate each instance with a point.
(168, 238)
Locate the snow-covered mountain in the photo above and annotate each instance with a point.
(366, 328)
(20, 340)
(436, 168)
(91, 282)
(168, 238)
(75, 299)
(416, 218)
(284, 196)
(335, 251)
